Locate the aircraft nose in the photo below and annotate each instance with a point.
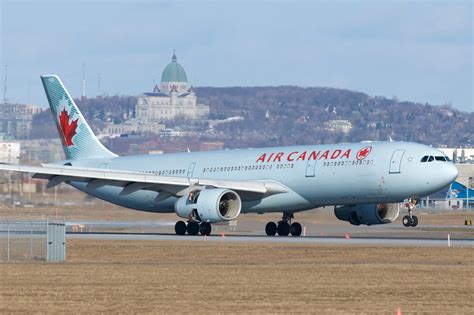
(450, 172)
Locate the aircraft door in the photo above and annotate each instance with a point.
(191, 169)
(396, 161)
(311, 168)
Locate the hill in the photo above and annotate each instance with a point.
(287, 115)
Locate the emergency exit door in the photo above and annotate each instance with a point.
(191, 169)
(396, 161)
(311, 168)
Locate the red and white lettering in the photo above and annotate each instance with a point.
(278, 157)
(302, 156)
(290, 156)
(346, 154)
(262, 158)
(270, 157)
(325, 155)
(335, 154)
(313, 155)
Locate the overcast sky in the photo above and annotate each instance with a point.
(415, 50)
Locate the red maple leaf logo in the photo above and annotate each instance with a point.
(68, 129)
(363, 153)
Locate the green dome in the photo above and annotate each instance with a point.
(174, 72)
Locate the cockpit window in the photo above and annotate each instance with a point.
(430, 158)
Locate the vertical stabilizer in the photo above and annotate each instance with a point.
(78, 140)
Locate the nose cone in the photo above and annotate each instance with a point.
(450, 172)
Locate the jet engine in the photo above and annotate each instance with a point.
(209, 205)
(368, 214)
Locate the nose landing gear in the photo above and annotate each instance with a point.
(410, 220)
(284, 227)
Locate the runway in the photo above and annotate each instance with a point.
(417, 242)
(252, 232)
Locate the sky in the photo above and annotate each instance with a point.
(415, 50)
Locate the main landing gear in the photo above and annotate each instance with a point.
(193, 228)
(410, 220)
(284, 227)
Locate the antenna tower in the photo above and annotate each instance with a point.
(5, 86)
(83, 97)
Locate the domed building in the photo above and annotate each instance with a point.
(172, 99)
(174, 76)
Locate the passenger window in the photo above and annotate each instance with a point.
(424, 159)
(431, 159)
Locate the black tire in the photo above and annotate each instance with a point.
(407, 221)
(205, 228)
(180, 228)
(193, 228)
(271, 229)
(283, 228)
(414, 221)
(295, 229)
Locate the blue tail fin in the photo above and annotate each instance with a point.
(79, 142)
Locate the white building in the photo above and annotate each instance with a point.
(10, 152)
(338, 125)
(172, 100)
(16, 120)
(459, 155)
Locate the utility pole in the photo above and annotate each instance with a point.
(29, 92)
(5, 86)
(99, 92)
(83, 97)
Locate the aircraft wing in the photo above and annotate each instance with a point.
(134, 181)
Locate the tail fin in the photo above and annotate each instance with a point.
(79, 142)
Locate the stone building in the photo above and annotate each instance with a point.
(338, 125)
(172, 100)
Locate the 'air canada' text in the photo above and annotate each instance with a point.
(303, 156)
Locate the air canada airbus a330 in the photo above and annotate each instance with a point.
(365, 182)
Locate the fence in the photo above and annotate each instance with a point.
(42, 241)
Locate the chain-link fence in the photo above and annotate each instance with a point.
(27, 240)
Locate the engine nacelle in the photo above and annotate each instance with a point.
(209, 205)
(368, 214)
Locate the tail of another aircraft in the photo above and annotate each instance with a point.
(79, 142)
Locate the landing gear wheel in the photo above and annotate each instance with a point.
(283, 228)
(271, 228)
(407, 221)
(205, 228)
(295, 229)
(193, 228)
(180, 228)
(414, 221)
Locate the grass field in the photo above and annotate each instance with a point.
(215, 277)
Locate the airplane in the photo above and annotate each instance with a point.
(364, 182)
